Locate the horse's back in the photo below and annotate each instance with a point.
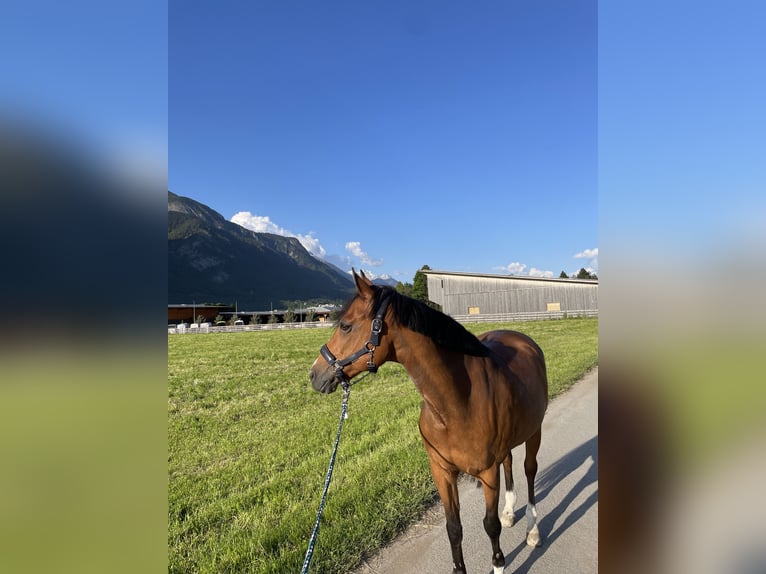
(522, 356)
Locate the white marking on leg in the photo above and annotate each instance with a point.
(533, 534)
(498, 569)
(507, 518)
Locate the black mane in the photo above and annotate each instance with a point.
(419, 317)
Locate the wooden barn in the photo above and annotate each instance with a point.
(471, 296)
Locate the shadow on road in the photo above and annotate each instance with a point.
(545, 483)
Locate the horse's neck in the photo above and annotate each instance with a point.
(439, 375)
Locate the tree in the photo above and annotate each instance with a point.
(585, 274)
(200, 319)
(420, 285)
(289, 316)
(563, 275)
(404, 288)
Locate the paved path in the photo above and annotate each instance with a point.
(567, 504)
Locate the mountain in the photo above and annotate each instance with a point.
(213, 260)
(385, 280)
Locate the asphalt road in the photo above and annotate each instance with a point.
(567, 505)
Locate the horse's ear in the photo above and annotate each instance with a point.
(364, 277)
(363, 284)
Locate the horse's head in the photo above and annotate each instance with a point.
(358, 343)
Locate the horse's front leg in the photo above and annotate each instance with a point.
(446, 484)
(490, 480)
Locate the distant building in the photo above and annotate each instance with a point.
(465, 294)
(318, 313)
(188, 312)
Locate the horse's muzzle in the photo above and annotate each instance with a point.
(323, 378)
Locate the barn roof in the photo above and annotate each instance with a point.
(516, 277)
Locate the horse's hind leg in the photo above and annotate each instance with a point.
(507, 518)
(530, 469)
(490, 480)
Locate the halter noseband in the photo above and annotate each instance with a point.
(367, 349)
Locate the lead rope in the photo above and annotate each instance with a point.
(315, 533)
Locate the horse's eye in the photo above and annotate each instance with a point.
(345, 327)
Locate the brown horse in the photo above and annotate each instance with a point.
(481, 397)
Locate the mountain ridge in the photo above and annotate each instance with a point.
(213, 259)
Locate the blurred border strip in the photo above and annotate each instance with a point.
(83, 185)
(682, 325)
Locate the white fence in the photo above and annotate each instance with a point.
(207, 328)
(487, 318)
(530, 316)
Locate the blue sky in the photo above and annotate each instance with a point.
(682, 133)
(392, 135)
(462, 139)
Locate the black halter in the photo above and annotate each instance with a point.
(368, 348)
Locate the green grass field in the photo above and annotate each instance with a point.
(249, 442)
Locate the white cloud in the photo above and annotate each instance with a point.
(515, 268)
(263, 224)
(258, 223)
(355, 249)
(518, 268)
(540, 273)
(592, 256)
(312, 244)
(587, 254)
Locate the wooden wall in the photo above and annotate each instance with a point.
(463, 294)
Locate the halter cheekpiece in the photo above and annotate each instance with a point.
(367, 349)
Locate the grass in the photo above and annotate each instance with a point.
(249, 442)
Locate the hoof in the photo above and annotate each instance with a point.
(507, 520)
(533, 538)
